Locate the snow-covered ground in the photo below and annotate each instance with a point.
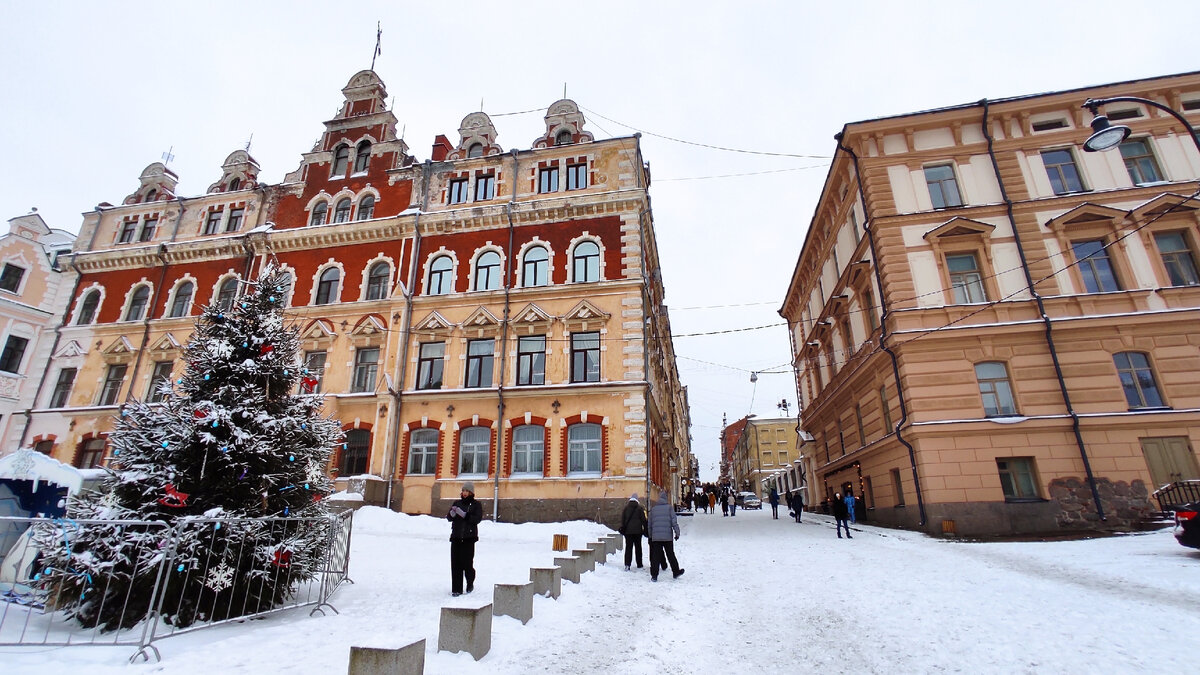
(759, 595)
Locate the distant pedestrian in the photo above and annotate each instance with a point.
(849, 499)
(664, 531)
(725, 504)
(841, 516)
(733, 503)
(633, 526)
(797, 505)
(702, 502)
(774, 498)
(465, 515)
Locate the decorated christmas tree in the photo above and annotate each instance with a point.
(236, 438)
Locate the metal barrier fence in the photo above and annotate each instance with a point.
(193, 573)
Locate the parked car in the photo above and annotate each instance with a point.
(748, 500)
(1187, 524)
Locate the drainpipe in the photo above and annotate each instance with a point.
(161, 254)
(508, 256)
(868, 226)
(639, 172)
(1062, 383)
(398, 392)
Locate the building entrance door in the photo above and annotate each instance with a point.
(1170, 459)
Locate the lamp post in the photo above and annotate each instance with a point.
(1106, 136)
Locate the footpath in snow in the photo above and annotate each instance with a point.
(759, 595)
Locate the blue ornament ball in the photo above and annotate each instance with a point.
(207, 376)
(272, 298)
(179, 569)
(165, 444)
(245, 344)
(215, 424)
(116, 452)
(291, 458)
(244, 305)
(285, 510)
(306, 486)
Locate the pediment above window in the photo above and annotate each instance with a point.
(319, 330)
(959, 227)
(1166, 203)
(70, 349)
(369, 330)
(482, 322)
(531, 318)
(1087, 214)
(166, 343)
(434, 324)
(120, 351)
(585, 315)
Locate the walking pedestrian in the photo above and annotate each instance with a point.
(465, 515)
(841, 516)
(797, 505)
(733, 504)
(702, 502)
(663, 525)
(725, 504)
(774, 497)
(633, 526)
(849, 499)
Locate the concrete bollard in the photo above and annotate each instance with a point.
(599, 551)
(515, 600)
(587, 559)
(466, 629)
(619, 540)
(547, 581)
(570, 568)
(610, 542)
(407, 660)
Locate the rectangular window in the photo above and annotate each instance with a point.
(1095, 266)
(62, 388)
(45, 447)
(862, 430)
(1140, 162)
(213, 224)
(479, 362)
(161, 375)
(868, 300)
(995, 389)
(528, 449)
(14, 352)
(92, 455)
(112, 384)
(366, 365)
(965, 280)
(148, 227)
(548, 180)
(485, 188)
(585, 357)
(235, 220)
(898, 487)
(315, 363)
(1060, 168)
(430, 364)
(1137, 380)
(577, 178)
(128, 229)
(943, 188)
(886, 409)
(357, 453)
(458, 191)
(10, 278)
(1016, 477)
(1177, 258)
(531, 359)
(422, 452)
(1049, 125)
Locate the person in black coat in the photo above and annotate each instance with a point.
(465, 515)
(842, 515)
(633, 526)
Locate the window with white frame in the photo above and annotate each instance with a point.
(474, 446)
(10, 277)
(13, 354)
(137, 304)
(458, 191)
(341, 155)
(226, 293)
(529, 449)
(1062, 172)
(148, 227)
(441, 275)
(548, 180)
(113, 378)
(62, 387)
(480, 354)
(319, 212)
(1095, 266)
(235, 219)
(487, 271)
(366, 208)
(585, 261)
(366, 367)
(213, 224)
(535, 267)
(181, 304)
(584, 448)
(1177, 258)
(327, 286)
(377, 280)
(128, 229)
(158, 378)
(531, 359)
(87, 308)
(341, 212)
(430, 363)
(422, 452)
(362, 157)
(485, 187)
(577, 178)
(966, 281)
(585, 357)
(1140, 162)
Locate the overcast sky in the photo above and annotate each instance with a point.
(92, 92)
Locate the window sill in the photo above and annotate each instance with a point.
(1151, 408)
(585, 475)
(1025, 500)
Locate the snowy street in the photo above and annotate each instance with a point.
(760, 595)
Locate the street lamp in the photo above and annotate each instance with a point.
(1106, 136)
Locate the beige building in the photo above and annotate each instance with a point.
(764, 449)
(995, 331)
(488, 314)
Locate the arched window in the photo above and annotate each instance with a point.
(362, 156)
(535, 267)
(137, 304)
(474, 446)
(87, 308)
(341, 212)
(183, 299)
(341, 155)
(234, 183)
(151, 195)
(377, 281)
(366, 208)
(529, 449)
(422, 452)
(586, 261)
(487, 271)
(226, 293)
(318, 214)
(356, 453)
(583, 448)
(476, 150)
(441, 275)
(562, 138)
(327, 286)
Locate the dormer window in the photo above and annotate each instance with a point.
(362, 157)
(476, 150)
(563, 138)
(10, 278)
(341, 155)
(151, 195)
(235, 183)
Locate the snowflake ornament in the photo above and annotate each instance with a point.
(313, 472)
(219, 578)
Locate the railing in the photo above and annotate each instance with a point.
(1176, 494)
(32, 611)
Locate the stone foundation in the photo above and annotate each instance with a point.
(1125, 504)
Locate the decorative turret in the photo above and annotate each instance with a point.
(478, 137)
(564, 125)
(239, 172)
(158, 184)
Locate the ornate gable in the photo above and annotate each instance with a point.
(239, 172)
(585, 315)
(958, 227)
(531, 319)
(1164, 203)
(564, 125)
(318, 332)
(120, 351)
(434, 324)
(69, 349)
(166, 343)
(157, 184)
(482, 322)
(368, 330)
(1087, 213)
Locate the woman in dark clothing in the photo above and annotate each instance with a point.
(465, 515)
(633, 526)
(841, 514)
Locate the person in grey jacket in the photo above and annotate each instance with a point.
(664, 531)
